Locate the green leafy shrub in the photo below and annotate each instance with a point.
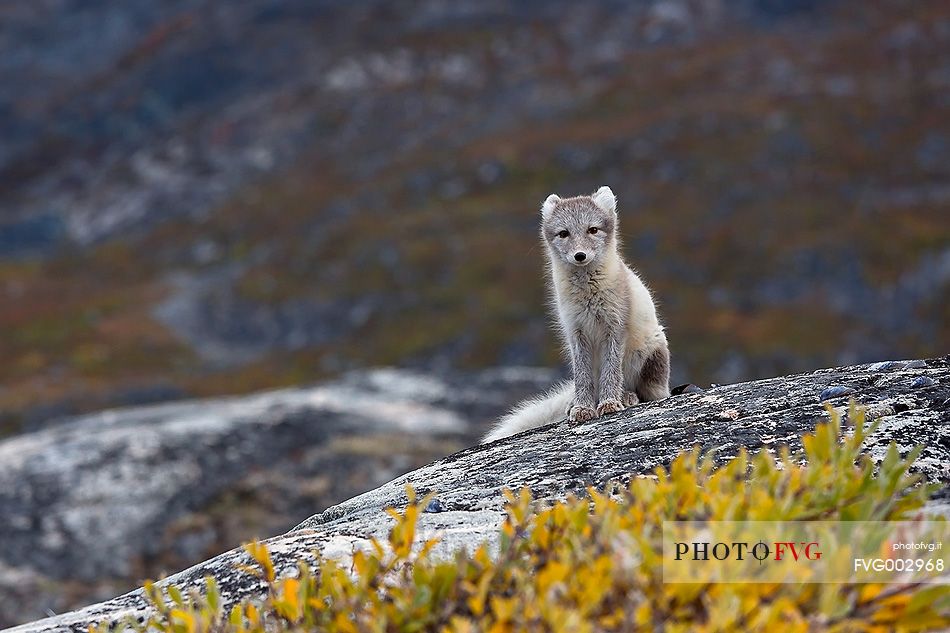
(594, 564)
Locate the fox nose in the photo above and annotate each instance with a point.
(580, 256)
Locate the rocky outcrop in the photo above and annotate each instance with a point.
(912, 399)
(92, 505)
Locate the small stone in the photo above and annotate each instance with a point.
(687, 388)
(923, 381)
(434, 506)
(835, 391)
(891, 365)
(887, 365)
(729, 414)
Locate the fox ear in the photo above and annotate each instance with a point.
(605, 199)
(548, 207)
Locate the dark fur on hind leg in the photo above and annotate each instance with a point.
(655, 376)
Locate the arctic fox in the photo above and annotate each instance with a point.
(617, 347)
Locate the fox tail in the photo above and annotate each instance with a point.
(530, 414)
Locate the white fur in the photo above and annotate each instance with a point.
(534, 412)
(605, 199)
(548, 207)
(577, 306)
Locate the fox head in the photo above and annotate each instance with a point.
(580, 231)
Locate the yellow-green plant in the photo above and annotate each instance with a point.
(594, 564)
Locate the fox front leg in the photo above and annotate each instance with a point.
(611, 374)
(582, 360)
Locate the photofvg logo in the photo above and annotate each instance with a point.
(760, 551)
(805, 551)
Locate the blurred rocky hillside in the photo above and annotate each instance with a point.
(93, 505)
(201, 198)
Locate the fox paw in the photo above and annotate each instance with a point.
(580, 413)
(609, 406)
(630, 398)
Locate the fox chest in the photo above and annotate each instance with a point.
(591, 308)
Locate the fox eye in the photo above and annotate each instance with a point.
(593, 230)
(562, 234)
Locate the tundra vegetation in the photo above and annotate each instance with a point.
(594, 564)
